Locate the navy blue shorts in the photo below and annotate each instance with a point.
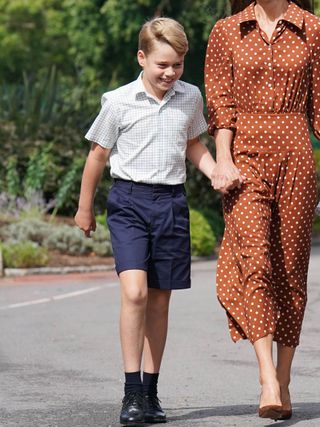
(149, 227)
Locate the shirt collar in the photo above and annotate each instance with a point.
(139, 87)
(294, 15)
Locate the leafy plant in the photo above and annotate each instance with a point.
(30, 229)
(101, 219)
(32, 205)
(37, 168)
(215, 220)
(12, 177)
(203, 240)
(68, 184)
(71, 240)
(23, 255)
(59, 237)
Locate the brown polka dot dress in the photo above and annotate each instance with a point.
(268, 92)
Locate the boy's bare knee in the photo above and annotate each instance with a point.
(136, 295)
(134, 288)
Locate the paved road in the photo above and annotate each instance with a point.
(60, 360)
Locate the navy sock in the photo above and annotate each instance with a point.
(150, 383)
(133, 382)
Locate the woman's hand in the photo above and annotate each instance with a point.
(85, 220)
(226, 176)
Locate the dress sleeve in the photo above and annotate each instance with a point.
(219, 81)
(314, 89)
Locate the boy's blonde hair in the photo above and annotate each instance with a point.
(164, 30)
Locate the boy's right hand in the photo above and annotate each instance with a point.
(226, 176)
(85, 220)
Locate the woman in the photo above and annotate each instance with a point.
(263, 87)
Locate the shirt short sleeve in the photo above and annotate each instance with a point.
(105, 128)
(198, 123)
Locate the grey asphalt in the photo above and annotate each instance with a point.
(60, 363)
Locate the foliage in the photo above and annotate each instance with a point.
(71, 240)
(215, 220)
(101, 219)
(23, 255)
(101, 243)
(56, 59)
(203, 240)
(29, 229)
(36, 172)
(12, 176)
(60, 237)
(316, 226)
(32, 205)
(79, 49)
(68, 184)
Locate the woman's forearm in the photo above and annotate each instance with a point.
(223, 139)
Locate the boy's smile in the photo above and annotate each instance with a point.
(161, 68)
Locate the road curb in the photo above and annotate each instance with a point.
(19, 272)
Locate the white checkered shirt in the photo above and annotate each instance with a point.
(148, 138)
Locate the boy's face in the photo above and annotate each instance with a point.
(161, 68)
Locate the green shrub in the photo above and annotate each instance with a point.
(29, 229)
(71, 240)
(59, 237)
(101, 219)
(101, 243)
(23, 255)
(215, 220)
(316, 226)
(203, 240)
(68, 240)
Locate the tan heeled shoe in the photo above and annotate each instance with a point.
(286, 414)
(271, 411)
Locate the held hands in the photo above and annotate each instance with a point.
(85, 220)
(226, 176)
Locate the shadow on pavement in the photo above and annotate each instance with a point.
(301, 412)
(90, 414)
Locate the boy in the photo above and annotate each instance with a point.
(148, 128)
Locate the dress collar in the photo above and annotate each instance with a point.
(294, 15)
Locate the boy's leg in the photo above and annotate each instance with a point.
(156, 328)
(134, 295)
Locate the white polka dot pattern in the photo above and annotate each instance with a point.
(246, 72)
(266, 90)
(263, 263)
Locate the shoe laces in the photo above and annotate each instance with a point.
(153, 399)
(132, 398)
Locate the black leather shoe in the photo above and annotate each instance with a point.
(153, 413)
(132, 413)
